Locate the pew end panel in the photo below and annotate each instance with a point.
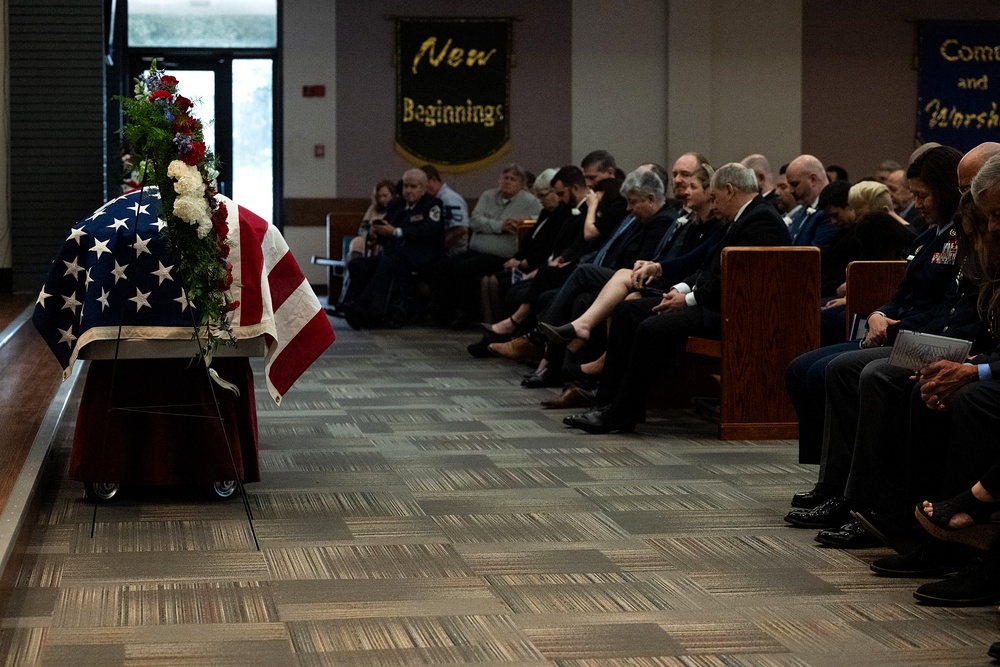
(770, 306)
(869, 285)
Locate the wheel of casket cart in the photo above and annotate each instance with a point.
(223, 489)
(100, 492)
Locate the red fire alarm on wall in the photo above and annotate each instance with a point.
(313, 91)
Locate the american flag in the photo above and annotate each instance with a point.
(114, 268)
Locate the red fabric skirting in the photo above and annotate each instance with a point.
(150, 448)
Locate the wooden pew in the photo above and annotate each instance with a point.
(770, 306)
(869, 285)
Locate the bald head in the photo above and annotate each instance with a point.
(762, 168)
(807, 178)
(973, 161)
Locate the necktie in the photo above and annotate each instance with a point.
(603, 252)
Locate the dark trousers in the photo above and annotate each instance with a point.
(804, 379)
(641, 347)
(456, 289)
(377, 287)
(586, 278)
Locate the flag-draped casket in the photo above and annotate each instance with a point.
(115, 277)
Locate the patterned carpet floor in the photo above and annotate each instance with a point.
(417, 507)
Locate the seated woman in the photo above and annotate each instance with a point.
(364, 242)
(865, 231)
(680, 255)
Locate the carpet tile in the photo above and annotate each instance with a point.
(417, 507)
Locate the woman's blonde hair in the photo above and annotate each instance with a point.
(868, 196)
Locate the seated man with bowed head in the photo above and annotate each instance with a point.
(647, 333)
(412, 239)
(811, 225)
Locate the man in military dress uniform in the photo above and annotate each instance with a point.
(412, 240)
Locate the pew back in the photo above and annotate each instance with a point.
(869, 285)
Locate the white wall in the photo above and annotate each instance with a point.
(735, 79)
(309, 59)
(619, 91)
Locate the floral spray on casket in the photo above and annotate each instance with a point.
(170, 142)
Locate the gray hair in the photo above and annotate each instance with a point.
(743, 179)
(643, 183)
(987, 178)
(415, 175)
(515, 168)
(544, 180)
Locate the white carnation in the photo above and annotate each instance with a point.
(189, 181)
(195, 211)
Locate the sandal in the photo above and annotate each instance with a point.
(981, 533)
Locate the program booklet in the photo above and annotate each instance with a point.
(915, 350)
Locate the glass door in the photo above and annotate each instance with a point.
(234, 100)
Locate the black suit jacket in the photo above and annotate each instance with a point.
(422, 226)
(928, 275)
(760, 225)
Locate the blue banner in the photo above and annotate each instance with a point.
(958, 92)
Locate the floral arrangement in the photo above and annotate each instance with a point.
(168, 143)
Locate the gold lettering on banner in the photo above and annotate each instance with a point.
(439, 113)
(971, 83)
(952, 51)
(942, 116)
(452, 56)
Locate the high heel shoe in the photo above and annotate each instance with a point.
(980, 534)
(558, 335)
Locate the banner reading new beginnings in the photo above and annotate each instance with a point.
(959, 80)
(452, 89)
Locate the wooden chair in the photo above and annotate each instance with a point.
(770, 306)
(869, 285)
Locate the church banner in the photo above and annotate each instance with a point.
(959, 82)
(452, 90)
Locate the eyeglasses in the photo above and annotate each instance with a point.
(963, 189)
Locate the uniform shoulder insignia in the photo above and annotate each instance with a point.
(435, 213)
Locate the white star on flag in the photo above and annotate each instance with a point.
(103, 300)
(183, 300)
(42, 296)
(159, 224)
(119, 272)
(119, 223)
(75, 234)
(72, 267)
(139, 209)
(86, 283)
(141, 245)
(70, 302)
(140, 299)
(101, 247)
(67, 336)
(98, 213)
(163, 273)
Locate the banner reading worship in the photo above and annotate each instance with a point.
(452, 89)
(959, 83)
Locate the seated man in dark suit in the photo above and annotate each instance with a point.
(811, 225)
(412, 239)
(646, 333)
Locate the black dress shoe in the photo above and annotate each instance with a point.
(976, 585)
(830, 514)
(891, 531)
(544, 377)
(598, 421)
(851, 535)
(481, 348)
(994, 650)
(931, 559)
(558, 335)
(810, 499)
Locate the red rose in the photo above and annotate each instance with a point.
(160, 95)
(183, 103)
(229, 307)
(196, 154)
(168, 80)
